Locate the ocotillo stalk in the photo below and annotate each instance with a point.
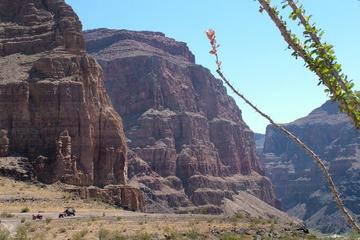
(214, 46)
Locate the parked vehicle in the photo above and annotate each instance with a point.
(69, 212)
(37, 217)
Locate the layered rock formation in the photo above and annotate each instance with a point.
(54, 107)
(298, 182)
(259, 142)
(190, 146)
(18, 168)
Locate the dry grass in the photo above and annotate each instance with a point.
(16, 196)
(155, 227)
(96, 220)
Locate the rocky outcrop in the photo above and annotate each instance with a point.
(54, 107)
(52, 99)
(18, 168)
(298, 182)
(123, 196)
(4, 143)
(189, 143)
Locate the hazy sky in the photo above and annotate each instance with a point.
(254, 55)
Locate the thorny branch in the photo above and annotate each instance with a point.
(212, 37)
(319, 58)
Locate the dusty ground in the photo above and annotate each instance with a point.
(95, 220)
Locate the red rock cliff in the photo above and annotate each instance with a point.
(190, 145)
(54, 108)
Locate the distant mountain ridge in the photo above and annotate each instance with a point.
(298, 182)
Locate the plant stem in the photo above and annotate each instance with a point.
(307, 149)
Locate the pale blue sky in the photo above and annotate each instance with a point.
(253, 53)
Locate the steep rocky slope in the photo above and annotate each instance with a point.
(54, 108)
(298, 182)
(190, 148)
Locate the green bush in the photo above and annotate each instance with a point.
(25, 210)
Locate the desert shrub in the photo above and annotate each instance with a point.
(117, 236)
(21, 233)
(48, 220)
(230, 236)
(25, 210)
(143, 236)
(6, 215)
(67, 196)
(80, 235)
(172, 234)
(104, 234)
(39, 236)
(193, 234)
(238, 217)
(4, 234)
(353, 236)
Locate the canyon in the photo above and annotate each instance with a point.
(298, 182)
(189, 148)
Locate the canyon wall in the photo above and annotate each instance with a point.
(190, 148)
(55, 111)
(298, 182)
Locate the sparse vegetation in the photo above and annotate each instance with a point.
(25, 210)
(143, 236)
(230, 236)
(354, 236)
(48, 220)
(186, 227)
(21, 233)
(193, 233)
(6, 215)
(80, 235)
(4, 234)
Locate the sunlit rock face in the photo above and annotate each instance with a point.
(189, 144)
(54, 108)
(298, 182)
